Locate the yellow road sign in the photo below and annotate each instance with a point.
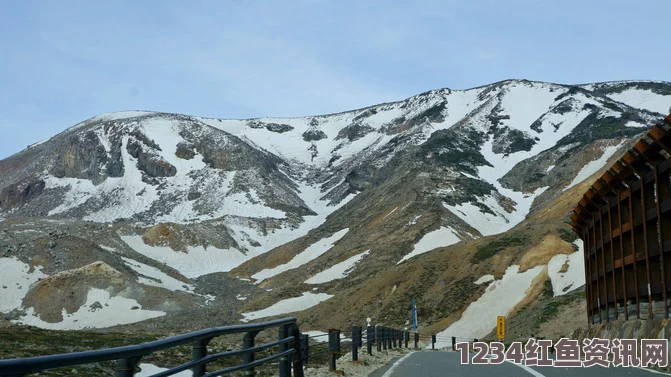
(500, 327)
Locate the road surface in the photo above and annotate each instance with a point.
(441, 364)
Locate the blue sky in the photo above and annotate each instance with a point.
(65, 61)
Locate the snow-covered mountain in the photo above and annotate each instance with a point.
(170, 211)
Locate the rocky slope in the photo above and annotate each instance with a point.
(346, 216)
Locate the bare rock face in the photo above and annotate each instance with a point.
(148, 160)
(82, 157)
(354, 131)
(314, 134)
(16, 195)
(185, 151)
(279, 128)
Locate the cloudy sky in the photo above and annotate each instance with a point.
(65, 61)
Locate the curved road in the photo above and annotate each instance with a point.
(441, 364)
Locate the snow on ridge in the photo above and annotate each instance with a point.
(644, 99)
(15, 282)
(526, 103)
(594, 165)
(115, 310)
(290, 305)
(310, 253)
(480, 316)
(338, 270)
(441, 237)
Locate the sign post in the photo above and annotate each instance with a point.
(414, 314)
(500, 327)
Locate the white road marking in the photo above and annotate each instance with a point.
(526, 368)
(653, 371)
(399, 361)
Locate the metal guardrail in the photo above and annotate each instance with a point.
(128, 357)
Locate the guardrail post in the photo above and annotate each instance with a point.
(334, 347)
(370, 339)
(199, 351)
(248, 342)
(389, 331)
(285, 363)
(305, 347)
(416, 340)
(400, 339)
(407, 338)
(298, 349)
(384, 338)
(126, 367)
(378, 338)
(454, 343)
(356, 342)
(393, 338)
(433, 342)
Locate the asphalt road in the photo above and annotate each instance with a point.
(442, 364)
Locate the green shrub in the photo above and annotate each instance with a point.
(495, 246)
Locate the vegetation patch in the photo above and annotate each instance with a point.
(594, 128)
(492, 248)
(567, 235)
(460, 150)
(551, 309)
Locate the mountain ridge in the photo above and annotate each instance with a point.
(449, 173)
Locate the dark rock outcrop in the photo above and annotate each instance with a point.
(16, 195)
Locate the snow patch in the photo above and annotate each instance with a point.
(502, 220)
(290, 305)
(115, 311)
(197, 261)
(594, 166)
(156, 277)
(444, 236)
(574, 277)
(310, 253)
(500, 297)
(414, 220)
(484, 279)
(147, 370)
(337, 271)
(15, 281)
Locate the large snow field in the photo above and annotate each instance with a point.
(644, 99)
